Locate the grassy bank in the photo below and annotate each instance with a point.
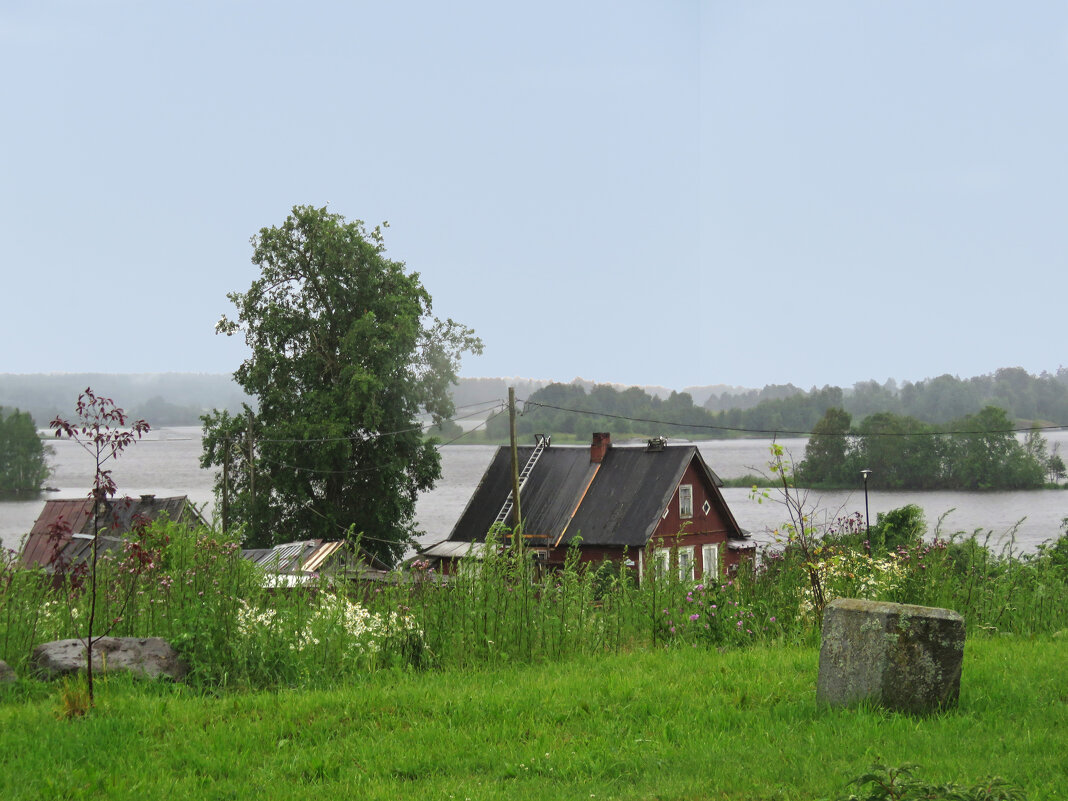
(683, 723)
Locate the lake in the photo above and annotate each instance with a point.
(167, 463)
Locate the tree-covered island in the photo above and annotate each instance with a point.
(23, 456)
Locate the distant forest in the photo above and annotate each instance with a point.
(172, 399)
(777, 409)
(163, 399)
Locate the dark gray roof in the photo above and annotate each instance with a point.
(618, 502)
(547, 500)
(624, 507)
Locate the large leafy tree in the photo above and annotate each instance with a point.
(345, 359)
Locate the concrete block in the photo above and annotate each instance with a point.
(901, 657)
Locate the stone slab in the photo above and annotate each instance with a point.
(898, 656)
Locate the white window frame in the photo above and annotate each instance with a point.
(661, 563)
(710, 561)
(684, 562)
(686, 501)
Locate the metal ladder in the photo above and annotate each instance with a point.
(506, 510)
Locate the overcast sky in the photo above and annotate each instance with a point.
(674, 193)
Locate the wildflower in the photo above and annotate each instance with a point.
(694, 616)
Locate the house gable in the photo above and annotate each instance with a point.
(717, 520)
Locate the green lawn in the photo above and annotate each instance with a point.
(677, 724)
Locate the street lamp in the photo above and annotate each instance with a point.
(867, 520)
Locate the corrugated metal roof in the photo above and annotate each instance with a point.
(39, 548)
(302, 556)
(455, 550)
(114, 521)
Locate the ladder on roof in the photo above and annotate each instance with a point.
(524, 474)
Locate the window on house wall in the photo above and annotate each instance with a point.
(710, 561)
(661, 562)
(684, 562)
(685, 500)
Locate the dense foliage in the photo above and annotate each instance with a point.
(570, 409)
(345, 359)
(978, 451)
(934, 400)
(23, 457)
(578, 409)
(235, 628)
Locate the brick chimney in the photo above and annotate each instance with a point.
(602, 441)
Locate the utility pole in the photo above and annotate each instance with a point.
(517, 530)
(226, 489)
(251, 483)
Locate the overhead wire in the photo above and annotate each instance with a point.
(780, 431)
(359, 470)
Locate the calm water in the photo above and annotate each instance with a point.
(166, 463)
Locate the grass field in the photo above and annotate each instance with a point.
(677, 724)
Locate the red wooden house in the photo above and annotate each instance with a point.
(657, 506)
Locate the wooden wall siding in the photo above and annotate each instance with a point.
(700, 523)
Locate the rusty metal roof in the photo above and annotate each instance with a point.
(64, 517)
(118, 518)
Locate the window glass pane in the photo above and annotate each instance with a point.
(710, 560)
(686, 500)
(686, 564)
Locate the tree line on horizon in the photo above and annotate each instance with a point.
(175, 399)
(571, 409)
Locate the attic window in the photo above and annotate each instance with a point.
(685, 501)
(706, 507)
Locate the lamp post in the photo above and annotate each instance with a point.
(867, 520)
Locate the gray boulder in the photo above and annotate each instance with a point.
(150, 657)
(7, 673)
(901, 657)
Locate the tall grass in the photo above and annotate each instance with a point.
(236, 629)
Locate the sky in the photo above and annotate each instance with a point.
(669, 193)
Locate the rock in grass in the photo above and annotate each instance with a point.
(901, 657)
(150, 657)
(7, 673)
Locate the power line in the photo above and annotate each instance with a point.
(779, 431)
(359, 470)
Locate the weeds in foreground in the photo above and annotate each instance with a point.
(883, 783)
(74, 698)
(237, 628)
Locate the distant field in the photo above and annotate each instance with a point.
(678, 724)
